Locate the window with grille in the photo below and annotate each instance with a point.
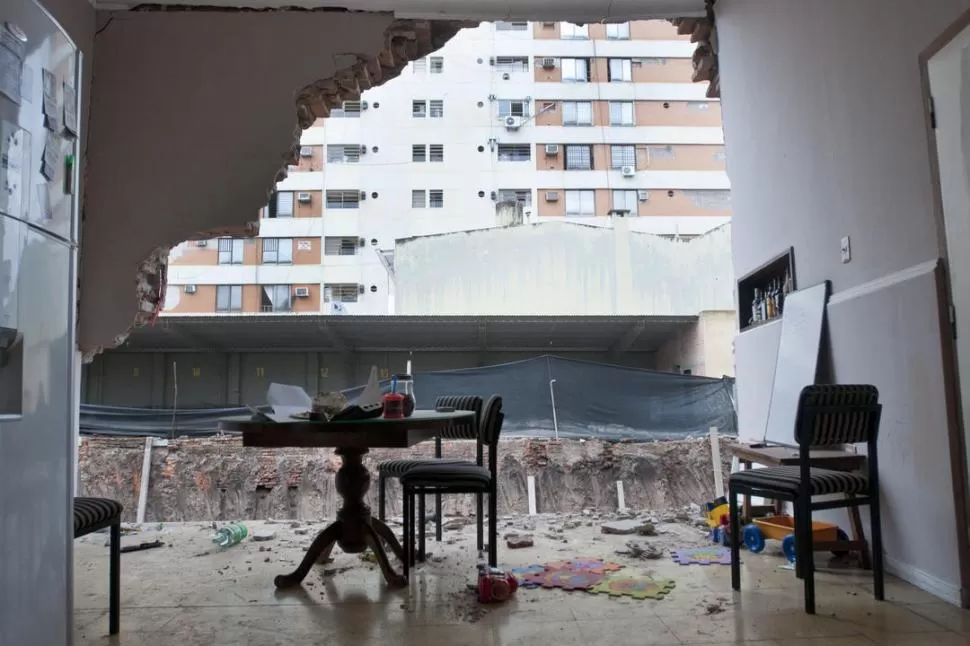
(436, 109)
(625, 200)
(513, 108)
(349, 110)
(437, 64)
(662, 152)
(512, 63)
(579, 157)
(340, 292)
(277, 251)
(436, 152)
(575, 69)
(621, 113)
(621, 70)
(343, 154)
(624, 155)
(514, 152)
(582, 202)
(340, 246)
(419, 109)
(229, 298)
(419, 199)
(419, 153)
(618, 31)
(522, 195)
(577, 113)
(502, 25)
(569, 31)
(436, 199)
(230, 251)
(284, 205)
(343, 199)
(420, 66)
(275, 298)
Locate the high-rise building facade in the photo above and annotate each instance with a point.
(582, 123)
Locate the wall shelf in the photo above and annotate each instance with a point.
(761, 293)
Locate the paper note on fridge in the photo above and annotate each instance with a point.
(287, 400)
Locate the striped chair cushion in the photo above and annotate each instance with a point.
(464, 431)
(447, 475)
(397, 468)
(786, 479)
(91, 512)
(837, 426)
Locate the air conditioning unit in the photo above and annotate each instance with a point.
(643, 195)
(364, 105)
(552, 150)
(361, 289)
(306, 151)
(506, 76)
(302, 292)
(494, 195)
(491, 60)
(363, 149)
(548, 24)
(513, 123)
(628, 171)
(190, 289)
(201, 243)
(363, 195)
(552, 196)
(303, 197)
(361, 242)
(548, 63)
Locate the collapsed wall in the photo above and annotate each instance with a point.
(216, 478)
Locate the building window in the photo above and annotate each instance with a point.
(621, 156)
(577, 113)
(513, 108)
(340, 292)
(618, 31)
(436, 152)
(437, 109)
(231, 251)
(343, 154)
(436, 199)
(343, 199)
(709, 199)
(419, 66)
(581, 202)
(282, 206)
(437, 64)
(621, 113)
(502, 25)
(514, 152)
(277, 251)
(522, 195)
(419, 199)
(349, 110)
(511, 63)
(621, 70)
(419, 109)
(275, 298)
(340, 246)
(575, 70)
(579, 157)
(229, 298)
(625, 201)
(419, 153)
(569, 31)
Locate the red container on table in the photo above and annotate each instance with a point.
(394, 406)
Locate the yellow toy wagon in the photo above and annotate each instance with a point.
(781, 528)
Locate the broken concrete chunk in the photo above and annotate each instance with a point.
(641, 550)
(518, 541)
(647, 529)
(301, 531)
(294, 524)
(621, 527)
(264, 535)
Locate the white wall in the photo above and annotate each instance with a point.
(559, 268)
(826, 136)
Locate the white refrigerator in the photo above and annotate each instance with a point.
(39, 128)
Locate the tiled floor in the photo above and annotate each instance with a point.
(190, 594)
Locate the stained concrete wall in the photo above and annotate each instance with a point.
(565, 269)
(705, 348)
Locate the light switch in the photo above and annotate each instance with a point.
(846, 249)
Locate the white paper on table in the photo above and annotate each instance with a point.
(286, 401)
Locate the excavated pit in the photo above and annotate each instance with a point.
(217, 478)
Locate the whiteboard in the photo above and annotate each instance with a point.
(797, 363)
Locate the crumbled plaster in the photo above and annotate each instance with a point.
(703, 31)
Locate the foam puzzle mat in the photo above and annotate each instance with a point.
(564, 579)
(520, 574)
(638, 587)
(597, 566)
(703, 556)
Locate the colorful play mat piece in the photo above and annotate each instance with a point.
(520, 574)
(596, 566)
(713, 555)
(565, 579)
(638, 587)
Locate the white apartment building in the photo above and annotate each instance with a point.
(576, 123)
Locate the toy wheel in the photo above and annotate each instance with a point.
(842, 536)
(788, 547)
(754, 540)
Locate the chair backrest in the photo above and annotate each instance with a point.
(837, 414)
(466, 431)
(492, 417)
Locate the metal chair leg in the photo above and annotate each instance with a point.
(480, 519)
(406, 506)
(735, 526)
(422, 521)
(114, 593)
(875, 519)
(492, 526)
(381, 496)
(806, 553)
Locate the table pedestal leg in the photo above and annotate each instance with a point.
(324, 542)
(387, 535)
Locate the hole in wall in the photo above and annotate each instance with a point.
(374, 195)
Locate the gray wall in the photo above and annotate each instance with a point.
(217, 378)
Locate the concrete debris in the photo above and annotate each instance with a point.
(641, 550)
(295, 523)
(622, 527)
(264, 535)
(301, 531)
(455, 524)
(647, 529)
(519, 541)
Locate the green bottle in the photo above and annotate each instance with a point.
(230, 535)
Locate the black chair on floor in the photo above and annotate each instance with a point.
(827, 416)
(397, 468)
(455, 478)
(90, 515)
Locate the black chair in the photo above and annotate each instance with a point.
(90, 515)
(397, 468)
(827, 416)
(455, 478)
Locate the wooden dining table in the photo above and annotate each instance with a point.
(355, 529)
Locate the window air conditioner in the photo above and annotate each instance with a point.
(505, 76)
(552, 196)
(306, 151)
(628, 171)
(494, 195)
(552, 150)
(643, 195)
(548, 63)
(491, 60)
(363, 149)
(302, 292)
(513, 123)
(303, 197)
(190, 289)
(363, 195)
(201, 243)
(548, 24)
(364, 105)
(360, 289)
(361, 242)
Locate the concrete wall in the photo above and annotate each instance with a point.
(563, 268)
(829, 98)
(705, 348)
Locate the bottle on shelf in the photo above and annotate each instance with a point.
(756, 307)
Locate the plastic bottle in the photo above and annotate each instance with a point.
(230, 535)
